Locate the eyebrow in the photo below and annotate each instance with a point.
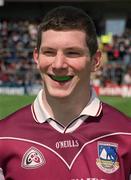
(66, 48)
(46, 47)
(82, 50)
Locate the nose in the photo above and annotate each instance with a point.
(59, 61)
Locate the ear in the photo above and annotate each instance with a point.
(36, 55)
(96, 61)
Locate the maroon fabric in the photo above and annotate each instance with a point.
(35, 151)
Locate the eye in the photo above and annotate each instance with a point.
(73, 54)
(48, 53)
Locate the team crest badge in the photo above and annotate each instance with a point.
(107, 161)
(32, 158)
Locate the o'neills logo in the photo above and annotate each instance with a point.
(67, 144)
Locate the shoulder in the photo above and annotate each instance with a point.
(112, 111)
(15, 119)
(113, 117)
(20, 113)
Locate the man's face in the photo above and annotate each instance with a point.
(64, 62)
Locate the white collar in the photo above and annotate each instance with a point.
(94, 106)
(40, 114)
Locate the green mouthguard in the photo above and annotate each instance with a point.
(62, 78)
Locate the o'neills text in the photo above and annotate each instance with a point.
(67, 144)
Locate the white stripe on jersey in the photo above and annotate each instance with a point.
(1, 174)
(47, 147)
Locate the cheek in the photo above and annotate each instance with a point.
(43, 68)
(81, 65)
(43, 64)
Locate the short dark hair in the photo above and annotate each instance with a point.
(69, 18)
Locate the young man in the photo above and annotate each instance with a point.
(67, 133)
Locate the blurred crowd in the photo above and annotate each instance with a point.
(116, 66)
(17, 68)
(17, 40)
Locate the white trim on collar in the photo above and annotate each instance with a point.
(93, 108)
(39, 112)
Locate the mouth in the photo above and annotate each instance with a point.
(61, 78)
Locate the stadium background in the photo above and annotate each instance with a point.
(19, 79)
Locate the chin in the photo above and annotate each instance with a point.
(59, 94)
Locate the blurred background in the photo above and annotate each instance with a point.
(19, 78)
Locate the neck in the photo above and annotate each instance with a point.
(66, 109)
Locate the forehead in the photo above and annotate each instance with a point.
(64, 38)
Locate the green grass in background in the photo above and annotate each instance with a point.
(122, 104)
(10, 103)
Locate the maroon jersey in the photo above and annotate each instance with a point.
(94, 146)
